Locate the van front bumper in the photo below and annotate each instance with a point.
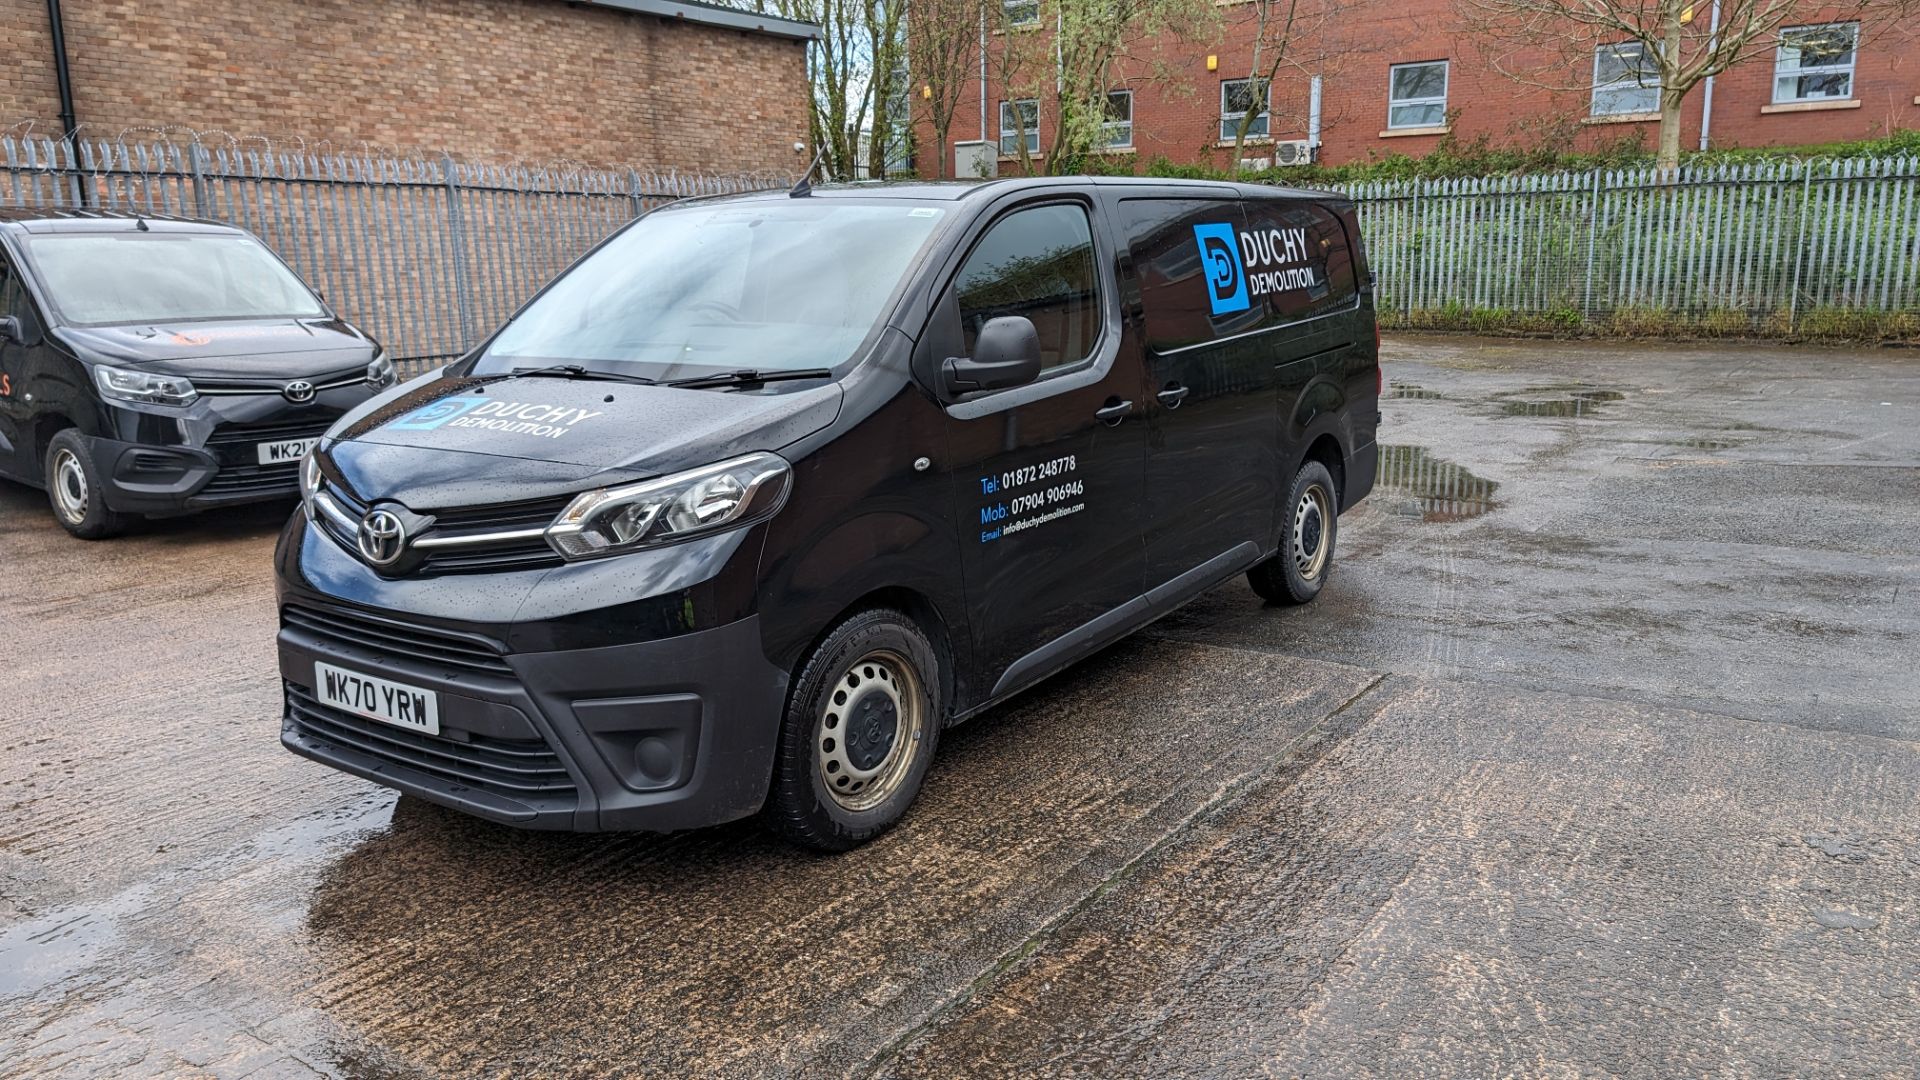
(673, 733)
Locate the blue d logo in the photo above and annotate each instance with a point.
(435, 414)
(1220, 261)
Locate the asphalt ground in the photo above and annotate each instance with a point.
(1597, 756)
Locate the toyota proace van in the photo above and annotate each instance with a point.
(154, 366)
(747, 507)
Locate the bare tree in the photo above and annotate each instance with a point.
(1067, 56)
(1667, 46)
(1298, 37)
(855, 69)
(943, 60)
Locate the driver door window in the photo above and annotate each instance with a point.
(1038, 263)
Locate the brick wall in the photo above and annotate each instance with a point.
(487, 79)
(1180, 120)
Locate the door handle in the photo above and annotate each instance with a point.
(1114, 411)
(1172, 396)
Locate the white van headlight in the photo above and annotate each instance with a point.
(144, 387)
(699, 502)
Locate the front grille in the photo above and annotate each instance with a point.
(398, 639)
(502, 555)
(524, 554)
(519, 768)
(304, 427)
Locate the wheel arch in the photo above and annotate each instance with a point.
(925, 614)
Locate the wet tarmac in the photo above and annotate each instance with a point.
(1598, 755)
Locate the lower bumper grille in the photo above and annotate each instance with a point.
(261, 480)
(397, 639)
(511, 767)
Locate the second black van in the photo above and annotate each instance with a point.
(157, 366)
(747, 507)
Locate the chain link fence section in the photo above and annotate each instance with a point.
(426, 254)
(1773, 249)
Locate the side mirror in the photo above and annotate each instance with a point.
(1007, 353)
(10, 331)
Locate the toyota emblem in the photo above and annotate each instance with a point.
(299, 391)
(382, 537)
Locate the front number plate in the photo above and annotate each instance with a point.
(384, 700)
(285, 452)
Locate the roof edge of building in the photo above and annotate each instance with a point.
(752, 22)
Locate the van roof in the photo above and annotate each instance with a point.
(956, 190)
(40, 220)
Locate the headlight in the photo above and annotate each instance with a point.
(144, 387)
(700, 502)
(380, 373)
(310, 474)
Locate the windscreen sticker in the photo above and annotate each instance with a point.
(491, 414)
(1240, 266)
(1030, 496)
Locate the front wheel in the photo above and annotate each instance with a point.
(859, 733)
(74, 490)
(1297, 572)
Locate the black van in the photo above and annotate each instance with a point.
(741, 511)
(153, 366)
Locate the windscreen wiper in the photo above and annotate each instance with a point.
(750, 377)
(567, 371)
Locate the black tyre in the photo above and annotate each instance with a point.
(75, 492)
(860, 730)
(1297, 573)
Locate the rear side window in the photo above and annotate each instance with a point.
(1216, 268)
(1299, 263)
(1186, 253)
(1038, 263)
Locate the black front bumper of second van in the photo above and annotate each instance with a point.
(668, 734)
(145, 478)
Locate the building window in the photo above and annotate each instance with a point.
(1417, 95)
(1625, 80)
(1238, 97)
(1019, 118)
(1021, 12)
(1815, 63)
(1117, 128)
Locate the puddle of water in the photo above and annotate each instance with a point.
(1408, 391)
(1440, 490)
(1574, 403)
(1707, 442)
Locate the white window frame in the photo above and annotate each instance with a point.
(1230, 121)
(1031, 8)
(1118, 134)
(1782, 72)
(1446, 84)
(1634, 81)
(1011, 109)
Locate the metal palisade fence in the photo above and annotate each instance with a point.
(1780, 248)
(426, 254)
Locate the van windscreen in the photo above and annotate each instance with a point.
(770, 285)
(111, 279)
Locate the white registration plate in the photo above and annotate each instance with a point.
(384, 700)
(284, 452)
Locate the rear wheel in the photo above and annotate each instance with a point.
(1297, 572)
(859, 733)
(75, 492)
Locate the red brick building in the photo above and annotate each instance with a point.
(1395, 77)
(645, 82)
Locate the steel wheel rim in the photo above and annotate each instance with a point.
(880, 680)
(69, 486)
(1312, 538)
